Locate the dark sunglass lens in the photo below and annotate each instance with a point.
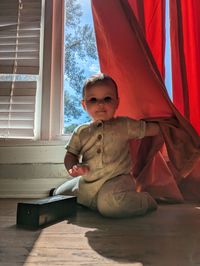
(92, 100)
(107, 99)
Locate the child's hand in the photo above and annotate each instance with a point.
(77, 170)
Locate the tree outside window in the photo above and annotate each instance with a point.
(81, 59)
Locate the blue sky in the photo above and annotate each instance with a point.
(92, 66)
(168, 76)
(87, 15)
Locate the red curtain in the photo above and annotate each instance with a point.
(151, 18)
(125, 55)
(185, 49)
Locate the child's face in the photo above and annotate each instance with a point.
(100, 101)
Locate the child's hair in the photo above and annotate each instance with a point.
(99, 78)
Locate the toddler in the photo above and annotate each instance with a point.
(98, 156)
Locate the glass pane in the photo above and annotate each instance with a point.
(168, 70)
(81, 59)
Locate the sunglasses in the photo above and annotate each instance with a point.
(106, 100)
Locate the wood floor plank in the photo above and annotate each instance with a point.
(168, 237)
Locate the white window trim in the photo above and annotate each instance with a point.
(52, 84)
(17, 29)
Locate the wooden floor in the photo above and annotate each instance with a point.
(168, 237)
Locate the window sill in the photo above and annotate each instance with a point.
(61, 141)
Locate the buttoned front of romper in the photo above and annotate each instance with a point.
(104, 147)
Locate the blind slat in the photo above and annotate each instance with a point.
(23, 26)
(17, 109)
(20, 22)
(17, 99)
(16, 116)
(17, 133)
(18, 84)
(31, 33)
(22, 124)
(23, 48)
(19, 54)
(22, 40)
(26, 69)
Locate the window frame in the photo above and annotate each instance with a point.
(49, 97)
(21, 30)
(52, 77)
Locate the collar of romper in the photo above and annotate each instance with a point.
(98, 123)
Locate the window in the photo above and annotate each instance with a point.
(20, 26)
(69, 43)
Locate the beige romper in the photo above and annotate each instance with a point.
(109, 186)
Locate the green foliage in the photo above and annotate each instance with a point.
(70, 129)
(73, 13)
(71, 107)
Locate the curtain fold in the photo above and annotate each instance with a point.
(123, 52)
(151, 18)
(125, 55)
(185, 49)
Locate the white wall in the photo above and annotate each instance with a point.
(30, 170)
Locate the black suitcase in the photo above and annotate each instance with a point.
(43, 212)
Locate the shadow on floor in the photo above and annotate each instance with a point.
(168, 236)
(15, 243)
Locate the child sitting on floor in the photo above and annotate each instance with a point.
(98, 156)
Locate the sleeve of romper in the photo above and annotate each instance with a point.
(136, 128)
(74, 144)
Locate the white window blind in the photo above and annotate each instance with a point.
(17, 109)
(20, 25)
